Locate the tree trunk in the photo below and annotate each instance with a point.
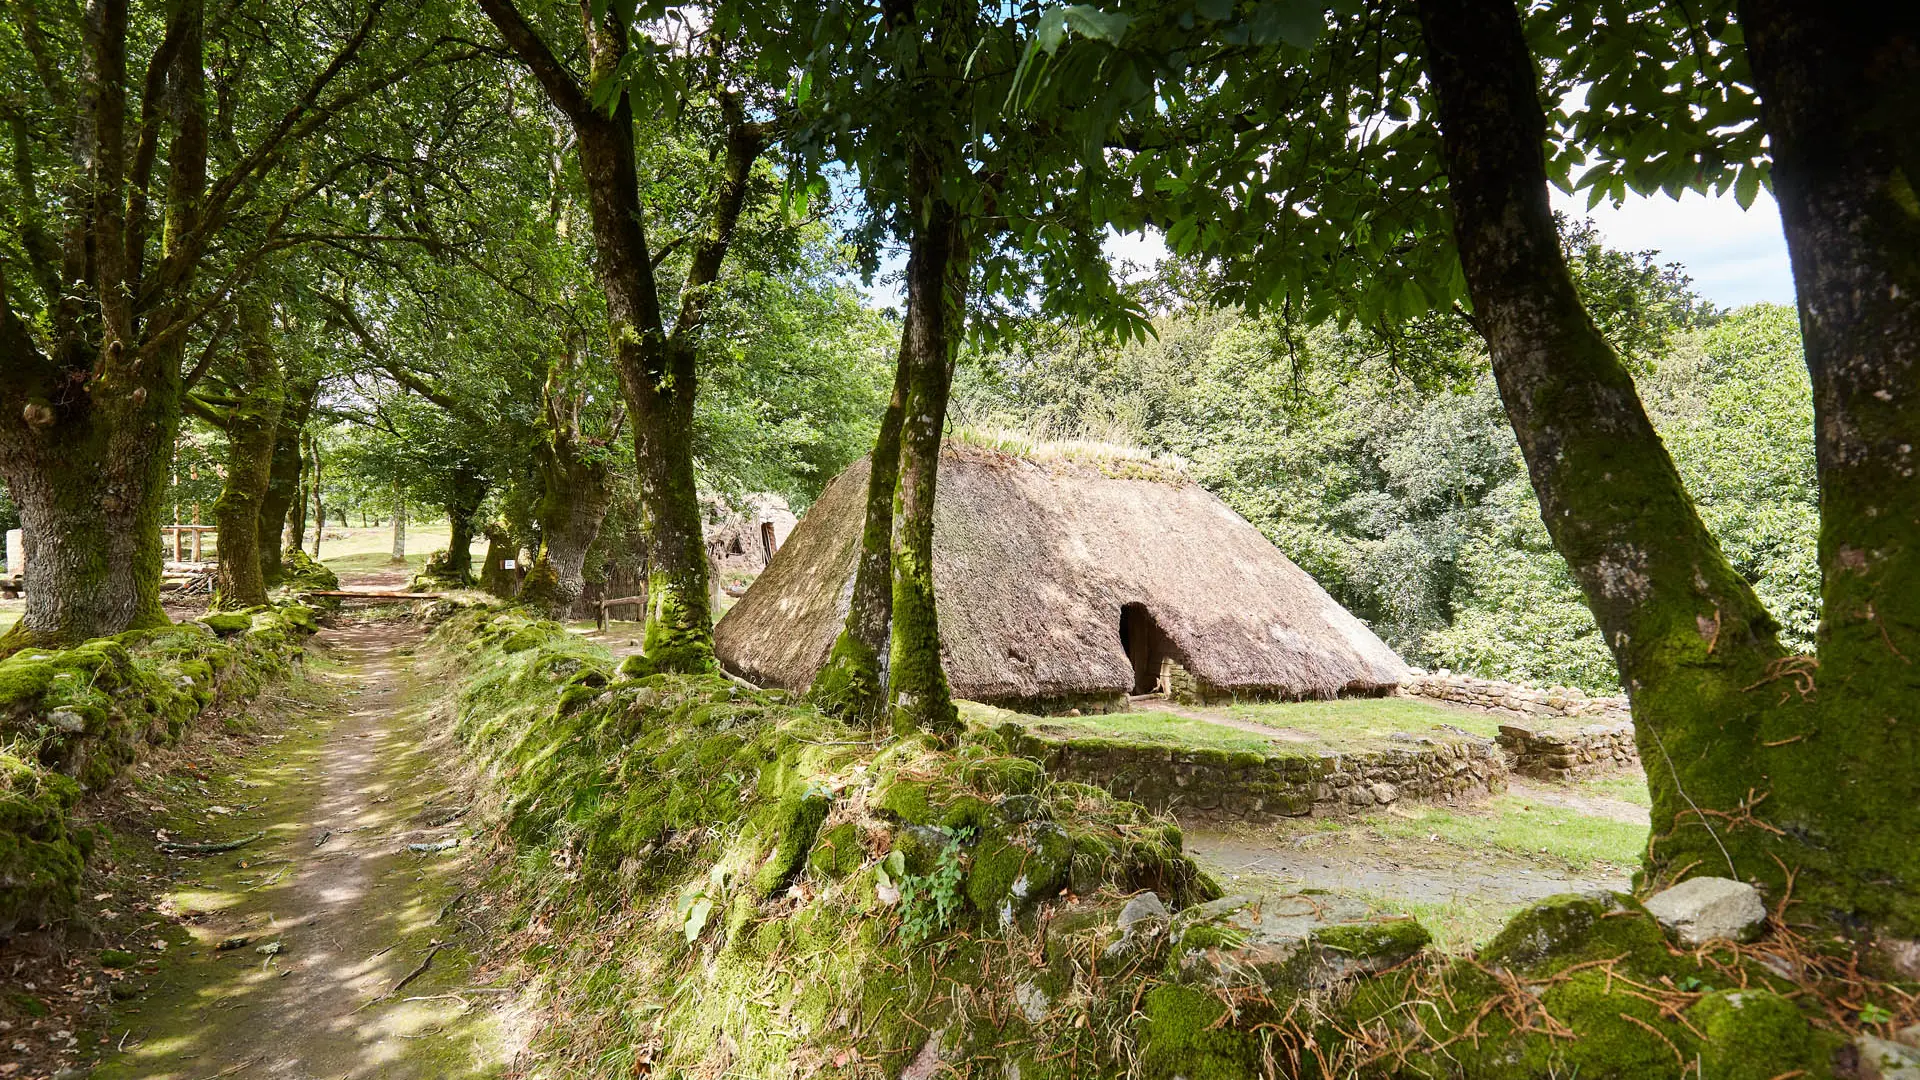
(496, 576)
(283, 481)
(319, 498)
(399, 555)
(1837, 88)
(578, 491)
(469, 490)
(90, 486)
(1695, 648)
(657, 370)
(936, 305)
(296, 536)
(853, 683)
(252, 427)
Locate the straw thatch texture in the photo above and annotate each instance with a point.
(1033, 564)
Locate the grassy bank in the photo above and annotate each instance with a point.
(707, 880)
(71, 720)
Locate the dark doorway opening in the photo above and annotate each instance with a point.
(1146, 645)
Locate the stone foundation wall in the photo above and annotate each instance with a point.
(1558, 750)
(1221, 785)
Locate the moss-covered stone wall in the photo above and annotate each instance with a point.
(72, 719)
(1228, 785)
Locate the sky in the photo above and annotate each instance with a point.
(1736, 257)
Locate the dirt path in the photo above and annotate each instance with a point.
(300, 939)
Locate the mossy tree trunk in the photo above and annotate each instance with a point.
(937, 273)
(90, 381)
(251, 423)
(1840, 96)
(576, 474)
(853, 683)
(282, 498)
(466, 491)
(1753, 773)
(657, 369)
(495, 576)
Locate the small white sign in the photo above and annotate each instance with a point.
(507, 564)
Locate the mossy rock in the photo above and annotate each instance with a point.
(117, 959)
(1014, 870)
(40, 856)
(1575, 927)
(1757, 1035)
(227, 624)
(837, 852)
(1182, 1036)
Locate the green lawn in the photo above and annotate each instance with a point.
(1345, 724)
(362, 550)
(1514, 824)
(1362, 719)
(1140, 726)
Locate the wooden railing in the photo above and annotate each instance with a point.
(175, 537)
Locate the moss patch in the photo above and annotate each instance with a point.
(73, 719)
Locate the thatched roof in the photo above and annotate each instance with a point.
(1034, 561)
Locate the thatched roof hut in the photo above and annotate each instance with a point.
(1070, 580)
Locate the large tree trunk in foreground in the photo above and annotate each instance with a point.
(853, 682)
(936, 305)
(276, 534)
(1695, 648)
(1840, 95)
(578, 490)
(90, 482)
(252, 428)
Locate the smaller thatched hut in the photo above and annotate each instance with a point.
(1071, 580)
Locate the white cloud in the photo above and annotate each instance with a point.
(1735, 256)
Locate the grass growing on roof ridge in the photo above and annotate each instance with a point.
(1096, 452)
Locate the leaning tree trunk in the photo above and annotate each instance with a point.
(283, 482)
(1695, 648)
(853, 682)
(936, 306)
(1837, 88)
(578, 491)
(252, 428)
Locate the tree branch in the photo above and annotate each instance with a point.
(562, 87)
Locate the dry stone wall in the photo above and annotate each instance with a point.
(1222, 785)
(1558, 750)
(1512, 699)
(1554, 734)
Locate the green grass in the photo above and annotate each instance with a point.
(1363, 720)
(1627, 787)
(1510, 823)
(1143, 726)
(371, 549)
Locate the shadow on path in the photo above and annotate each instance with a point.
(301, 938)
